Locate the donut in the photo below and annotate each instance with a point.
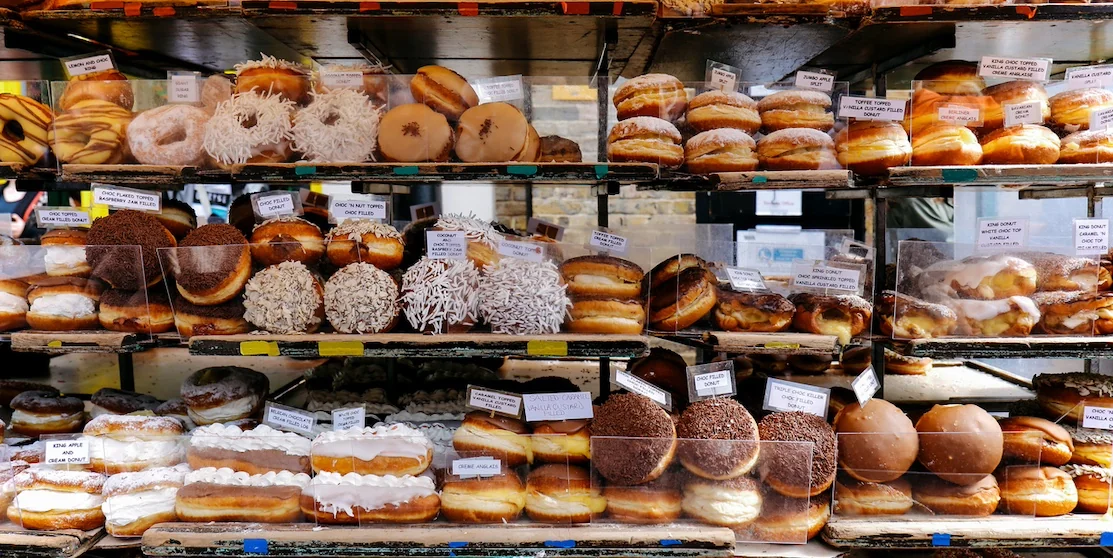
(46, 412)
(714, 110)
(51, 500)
(797, 149)
(1036, 440)
(877, 443)
(684, 300)
(135, 311)
(156, 488)
(1034, 490)
(394, 449)
(211, 265)
(211, 494)
(496, 499)
(855, 497)
(495, 132)
(221, 319)
(109, 85)
(521, 297)
(355, 499)
(11, 388)
(599, 314)
(785, 467)
(796, 109)
(1092, 483)
(168, 135)
(110, 249)
(250, 128)
(178, 217)
(130, 443)
(483, 239)
(362, 240)
(1091, 446)
(224, 393)
(654, 95)
(414, 133)
(176, 409)
(285, 298)
(645, 139)
(254, 449)
(287, 239)
(215, 90)
(562, 494)
(718, 439)
(977, 499)
(441, 296)
(65, 253)
(959, 443)
(656, 501)
(555, 149)
(26, 124)
(790, 520)
(361, 298)
(844, 316)
(111, 401)
(562, 441)
(443, 90)
(723, 150)
(505, 438)
(634, 440)
(733, 503)
(340, 126)
(602, 276)
(91, 132)
(63, 304)
(274, 76)
(13, 304)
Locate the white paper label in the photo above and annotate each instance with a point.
(1091, 237)
(349, 419)
(608, 241)
(1097, 417)
(276, 205)
(865, 385)
(126, 198)
(723, 80)
(499, 89)
(90, 65)
(1024, 113)
(66, 452)
(996, 234)
(287, 418)
(823, 277)
(958, 114)
(529, 251)
(634, 384)
(184, 88)
(476, 467)
(780, 203)
(1031, 69)
(816, 81)
(495, 401)
(446, 245)
(62, 218)
(342, 79)
(870, 108)
(1101, 119)
(742, 279)
(712, 383)
(1082, 77)
(574, 405)
(790, 396)
(342, 209)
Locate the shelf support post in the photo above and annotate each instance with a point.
(127, 372)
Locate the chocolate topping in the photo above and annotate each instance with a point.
(717, 419)
(204, 269)
(630, 437)
(43, 402)
(783, 461)
(561, 426)
(771, 303)
(233, 309)
(123, 402)
(110, 253)
(141, 299)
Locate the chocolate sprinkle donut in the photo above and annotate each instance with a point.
(631, 436)
(783, 461)
(109, 249)
(204, 269)
(717, 419)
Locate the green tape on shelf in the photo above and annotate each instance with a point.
(602, 170)
(522, 170)
(302, 170)
(760, 179)
(960, 175)
(405, 171)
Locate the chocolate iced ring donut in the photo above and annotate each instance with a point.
(44, 412)
(224, 393)
(110, 401)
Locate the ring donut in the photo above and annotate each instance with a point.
(25, 129)
(168, 135)
(109, 85)
(250, 127)
(92, 132)
(224, 393)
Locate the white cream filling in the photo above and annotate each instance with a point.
(32, 418)
(64, 306)
(50, 500)
(133, 451)
(12, 304)
(126, 509)
(64, 256)
(229, 411)
(335, 493)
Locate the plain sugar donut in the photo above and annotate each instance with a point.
(169, 135)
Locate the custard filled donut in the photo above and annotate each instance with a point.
(1064, 396)
(108, 85)
(1026, 144)
(977, 499)
(211, 494)
(51, 500)
(654, 95)
(645, 139)
(988, 277)
(130, 443)
(155, 489)
(634, 440)
(733, 503)
(1093, 487)
(287, 239)
(905, 317)
(877, 442)
(855, 497)
(178, 217)
(719, 439)
(906, 365)
(796, 109)
(1010, 317)
(224, 393)
(790, 520)
(504, 438)
(255, 449)
(562, 441)
(562, 494)
(64, 304)
(496, 132)
(952, 77)
(340, 126)
(945, 144)
(169, 135)
(1075, 313)
(354, 499)
(495, 499)
(91, 132)
(443, 90)
(653, 502)
(110, 249)
(13, 304)
(273, 76)
(797, 149)
(683, 300)
(722, 150)
(65, 253)
(670, 267)
(135, 311)
(211, 265)
(926, 113)
(1036, 440)
(1071, 110)
(1013, 93)
(250, 127)
(1091, 146)
(782, 465)
(758, 312)
(593, 314)
(221, 319)
(714, 110)
(112, 401)
(844, 316)
(1091, 446)
(29, 122)
(394, 449)
(441, 296)
(1057, 272)
(871, 148)
(1035, 490)
(959, 443)
(361, 240)
(414, 133)
(46, 412)
(602, 276)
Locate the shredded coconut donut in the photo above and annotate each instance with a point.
(270, 62)
(475, 229)
(437, 294)
(361, 298)
(337, 127)
(522, 297)
(246, 124)
(283, 299)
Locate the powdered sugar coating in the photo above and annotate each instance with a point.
(522, 297)
(283, 298)
(340, 126)
(716, 97)
(437, 294)
(159, 477)
(229, 142)
(283, 219)
(475, 229)
(646, 82)
(43, 478)
(787, 99)
(111, 425)
(710, 140)
(642, 126)
(361, 298)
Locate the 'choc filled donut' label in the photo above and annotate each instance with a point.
(127, 198)
(275, 205)
(574, 405)
(715, 379)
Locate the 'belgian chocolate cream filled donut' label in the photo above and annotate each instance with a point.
(790, 396)
(349, 419)
(127, 198)
(870, 108)
(573, 405)
(816, 81)
(995, 234)
(472, 467)
(1091, 237)
(498, 402)
(865, 386)
(281, 417)
(1084, 77)
(715, 379)
(1097, 417)
(66, 452)
(1028, 69)
(54, 217)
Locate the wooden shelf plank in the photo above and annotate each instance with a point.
(17, 541)
(61, 342)
(772, 343)
(918, 531)
(993, 175)
(1012, 347)
(755, 180)
(1015, 13)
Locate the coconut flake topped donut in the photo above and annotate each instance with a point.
(522, 297)
(249, 127)
(337, 127)
(361, 298)
(273, 76)
(475, 229)
(441, 296)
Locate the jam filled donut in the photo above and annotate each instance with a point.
(441, 296)
(26, 123)
(287, 239)
(250, 127)
(169, 135)
(224, 393)
(91, 132)
(361, 240)
(211, 265)
(635, 440)
(136, 311)
(110, 249)
(337, 127)
(108, 85)
(44, 412)
(51, 500)
(273, 76)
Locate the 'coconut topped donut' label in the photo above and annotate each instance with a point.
(334, 80)
(127, 198)
(715, 379)
(529, 251)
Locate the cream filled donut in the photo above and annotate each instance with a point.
(255, 451)
(224, 394)
(394, 449)
(250, 127)
(111, 401)
(521, 297)
(50, 500)
(65, 253)
(44, 412)
(168, 135)
(13, 304)
(356, 499)
(337, 127)
(441, 296)
(63, 304)
(361, 298)
(212, 494)
(133, 502)
(129, 443)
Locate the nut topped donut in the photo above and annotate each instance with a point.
(363, 240)
(224, 393)
(285, 298)
(361, 298)
(634, 440)
(110, 401)
(1065, 396)
(44, 412)
(718, 439)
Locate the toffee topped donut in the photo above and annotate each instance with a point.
(212, 264)
(443, 90)
(46, 412)
(683, 300)
(414, 133)
(111, 401)
(362, 240)
(110, 249)
(959, 443)
(1036, 440)
(600, 275)
(877, 443)
(634, 439)
(785, 466)
(224, 393)
(496, 132)
(718, 439)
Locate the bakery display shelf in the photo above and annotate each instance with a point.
(109, 543)
(1011, 347)
(418, 7)
(111, 9)
(420, 345)
(439, 539)
(62, 342)
(577, 173)
(950, 382)
(66, 543)
(1012, 12)
(755, 343)
(814, 548)
(994, 175)
(790, 14)
(755, 180)
(917, 531)
(148, 176)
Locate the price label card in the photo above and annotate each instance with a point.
(1101, 119)
(865, 386)
(1024, 113)
(446, 245)
(742, 279)
(816, 81)
(1091, 237)
(788, 203)
(282, 417)
(184, 87)
(51, 217)
(1097, 417)
(336, 80)
(66, 452)
(127, 198)
(500, 402)
(820, 276)
(545, 228)
(352, 418)
(82, 65)
(342, 209)
(476, 467)
(276, 204)
(959, 114)
(870, 108)
(1082, 77)
(573, 405)
(723, 77)
(715, 379)
(607, 241)
(634, 384)
(1030, 69)
(529, 251)
(790, 396)
(1002, 233)
(504, 89)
